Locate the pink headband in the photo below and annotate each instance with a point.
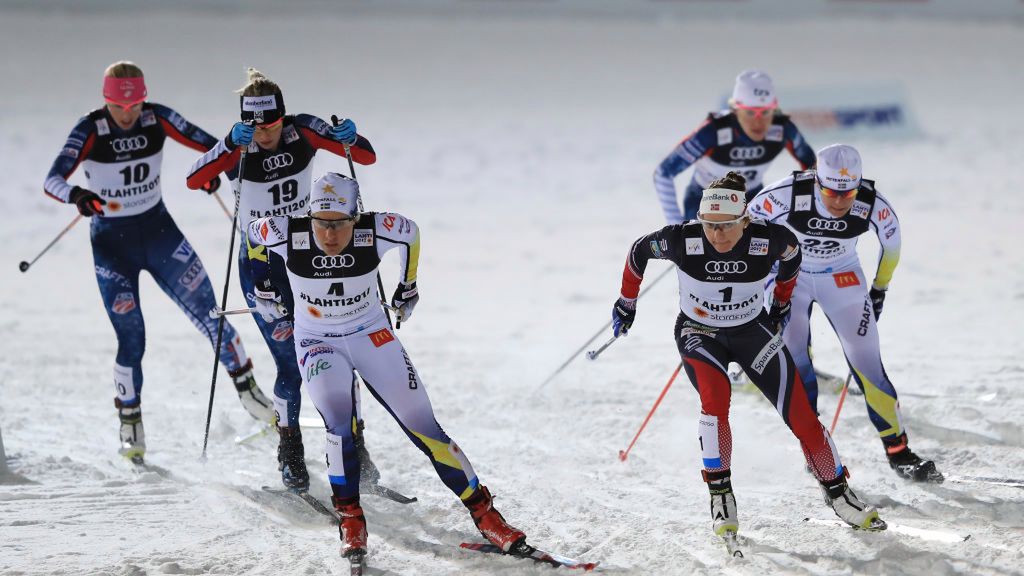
(124, 90)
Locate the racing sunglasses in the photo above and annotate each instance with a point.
(126, 106)
(838, 194)
(332, 223)
(755, 111)
(270, 125)
(724, 226)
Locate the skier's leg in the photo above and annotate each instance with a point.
(797, 337)
(278, 337)
(705, 359)
(392, 379)
(117, 274)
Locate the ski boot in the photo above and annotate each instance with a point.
(909, 465)
(724, 516)
(253, 399)
(491, 523)
(368, 473)
(291, 459)
(351, 527)
(849, 507)
(133, 435)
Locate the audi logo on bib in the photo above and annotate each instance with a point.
(277, 161)
(717, 267)
(125, 145)
(340, 261)
(830, 225)
(746, 153)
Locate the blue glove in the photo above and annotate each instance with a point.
(241, 134)
(345, 132)
(623, 315)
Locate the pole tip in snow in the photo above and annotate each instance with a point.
(623, 455)
(23, 266)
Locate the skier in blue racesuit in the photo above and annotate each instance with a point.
(745, 138)
(120, 147)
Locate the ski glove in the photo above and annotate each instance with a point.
(623, 315)
(405, 299)
(241, 134)
(877, 300)
(778, 315)
(345, 132)
(268, 304)
(212, 186)
(87, 201)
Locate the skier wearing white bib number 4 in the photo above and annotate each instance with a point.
(120, 147)
(278, 174)
(828, 208)
(331, 257)
(723, 260)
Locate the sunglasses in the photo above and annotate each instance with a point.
(270, 125)
(126, 106)
(755, 111)
(329, 224)
(721, 225)
(838, 194)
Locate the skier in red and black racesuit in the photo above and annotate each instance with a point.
(723, 261)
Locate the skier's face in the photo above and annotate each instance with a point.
(755, 121)
(124, 116)
(838, 203)
(268, 136)
(333, 230)
(723, 231)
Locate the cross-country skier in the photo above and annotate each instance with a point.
(745, 138)
(331, 257)
(278, 174)
(829, 208)
(723, 260)
(121, 147)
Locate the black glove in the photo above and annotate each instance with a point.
(405, 299)
(877, 300)
(88, 202)
(212, 186)
(778, 315)
(623, 315)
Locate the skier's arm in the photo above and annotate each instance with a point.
(773, 203)
(318, 133)
(887, 227)
(684, 155)
(397, 231)
(661, 245)
(183, 131)
(264, 235)
(76, 148)
(798, 147)
(221, 158)
(783, 246)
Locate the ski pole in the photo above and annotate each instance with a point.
(359, 206)
(223, 305)
(593, 354)
(842, 396)
(222, 205)
(217, 312)
(598, 333)
(623, 454)
(24, 266)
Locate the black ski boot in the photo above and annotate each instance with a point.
(291, 459)
(909, 465)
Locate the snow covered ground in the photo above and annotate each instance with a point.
(524, 148)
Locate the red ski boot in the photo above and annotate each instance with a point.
(490, 522)
(352, 526)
